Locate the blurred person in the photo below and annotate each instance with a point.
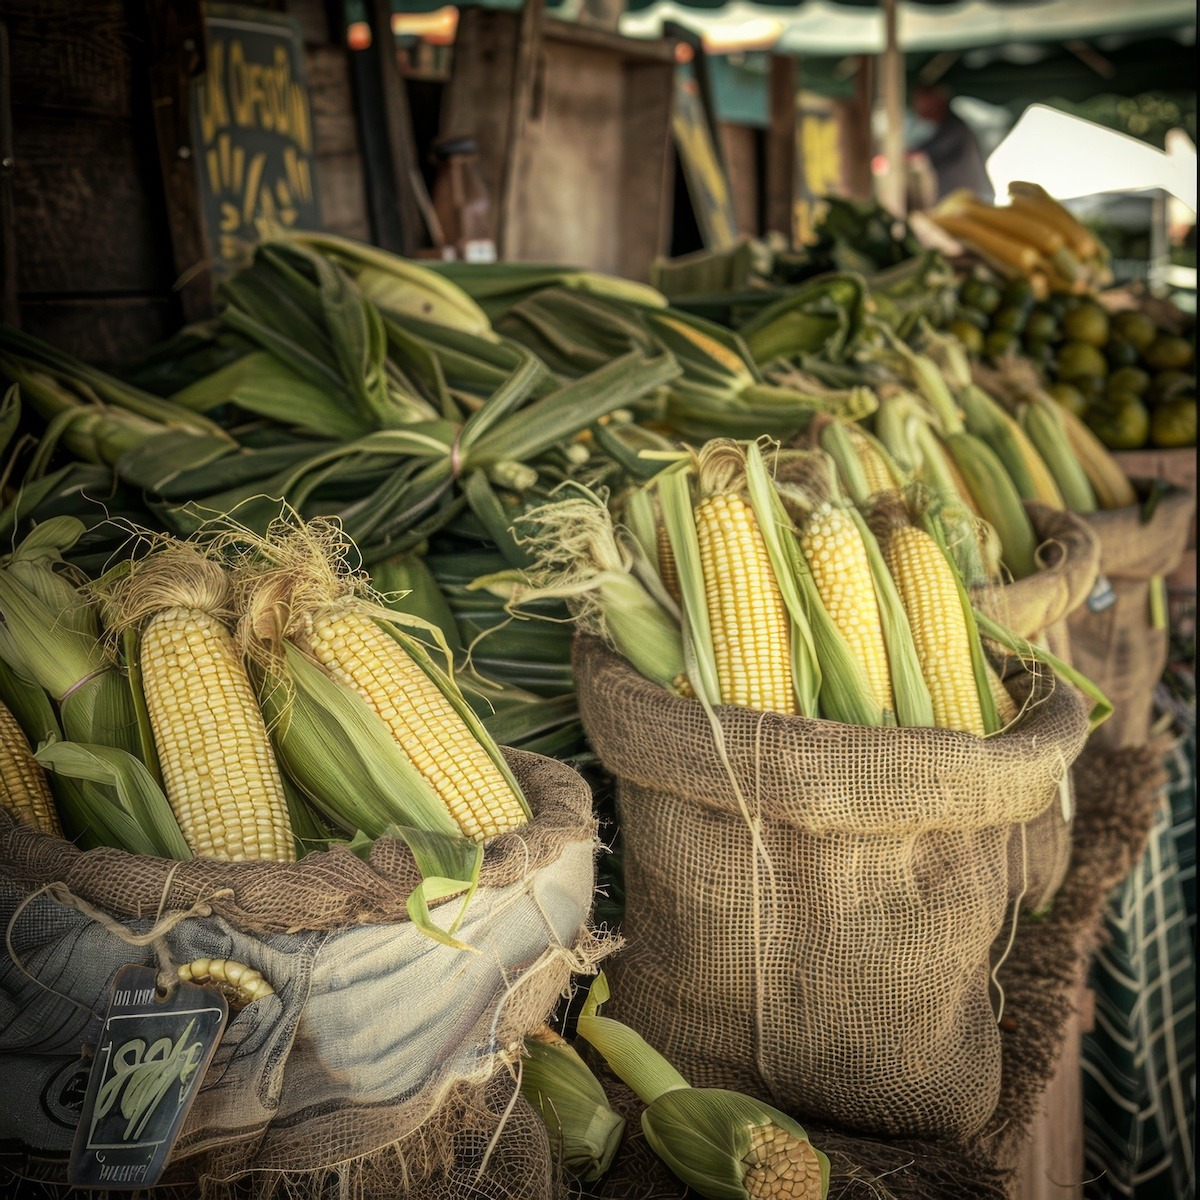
(948, 143)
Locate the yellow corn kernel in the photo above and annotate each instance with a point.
(668, 571)
(356, 652)
(931, 600)
(238, 983)
(220, 774)
(781, 1166)
(834, 550)
(874, 469)
(746, 612)
(24, 792)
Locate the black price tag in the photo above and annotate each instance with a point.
(150, 1058)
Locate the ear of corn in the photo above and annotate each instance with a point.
(1043, 423)
(1109, 482)
(925, 581)
(834, 550)
(220, 775)
(584, 1130)
(998, 500)
(24, 792)
(721, 1143)
(358, 654)
(1011, 445)
(239, 984)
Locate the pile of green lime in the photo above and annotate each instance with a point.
(1131, 381)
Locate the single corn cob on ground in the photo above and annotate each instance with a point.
(356, 652)
(238, 983)
(24, 792)
(750, 633)
(834, 550)
(218, 768)
(931, 600)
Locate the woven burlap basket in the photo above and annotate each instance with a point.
(383, 1065)
(1114, 638)
(1037, 608)
(826, 947)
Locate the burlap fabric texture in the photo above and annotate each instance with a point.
(839, 966)
(379, 1055)
(1037, 608)
(1113, 638)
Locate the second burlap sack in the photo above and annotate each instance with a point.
(834, 958)
(1115, 639)
(1037, 608)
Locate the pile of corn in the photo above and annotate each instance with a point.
(1032, 237)
(231, 696)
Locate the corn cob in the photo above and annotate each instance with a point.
(1034, 201)
(239, 984)
(1044, 238)
(834, 550)
(24, 792)
(294, 587)
(1043, 423)
(218, 769)
(356, 652)
(935, 615)
(1006, 706)
(746, 612)
(998, 499)
(1006, 254)
(668, 569)
(1109, 482)
(879, 476)
(1011, 445)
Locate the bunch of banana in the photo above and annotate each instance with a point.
(1033, 237)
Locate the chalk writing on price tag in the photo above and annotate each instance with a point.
(150, 1059)
(1101, 596)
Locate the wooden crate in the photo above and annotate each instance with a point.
(95, 274)
(574, 131)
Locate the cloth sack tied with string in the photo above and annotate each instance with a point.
(820, 934)
(376, 1039)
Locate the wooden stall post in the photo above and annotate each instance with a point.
(526, 76)
(177, 59)
(779, 201)
(893, 188)
(8, 232)
(385, 132)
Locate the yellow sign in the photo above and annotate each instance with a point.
(820, 170)
(252, 126)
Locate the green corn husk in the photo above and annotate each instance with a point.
(405, 583)
(823, 317)
(725, 1145)
(584, 1131)
(579, 556)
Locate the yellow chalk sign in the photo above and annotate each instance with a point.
(252, 129)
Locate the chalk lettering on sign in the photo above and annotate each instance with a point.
(253, 132)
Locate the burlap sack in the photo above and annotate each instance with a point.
(841, 969)
(1113, 639)
(1037, 608)
(377, 1039)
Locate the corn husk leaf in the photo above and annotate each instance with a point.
(584, 1130)
(139, 818)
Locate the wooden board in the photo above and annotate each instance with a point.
(739, 144)
(590, 185)
(89, 220)
(84, 208)
(1053, 1164)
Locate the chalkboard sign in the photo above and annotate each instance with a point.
(252, 132)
